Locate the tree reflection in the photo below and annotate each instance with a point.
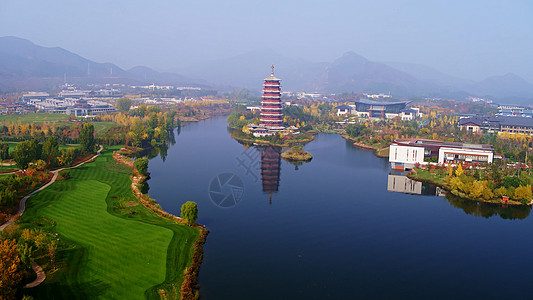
(487, 210)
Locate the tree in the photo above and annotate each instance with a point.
(459, 171)
(4, 150)
(189, 212)
(88, 144)
(26, 152)
(51, 150)
(523, 193)
(10, 269)
(123, 104)
(141, 165)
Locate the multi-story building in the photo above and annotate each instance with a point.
(406, 153)
(523, 125)
(271, 116)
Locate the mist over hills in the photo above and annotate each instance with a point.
(26, 66)
(354, 73)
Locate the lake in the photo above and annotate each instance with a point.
(341, 226)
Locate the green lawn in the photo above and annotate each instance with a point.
(12, 146)
(102, 127)
(111, 250)
(34, 118)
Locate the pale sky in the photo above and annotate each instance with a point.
(470, 39)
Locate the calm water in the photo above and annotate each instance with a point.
(331, 229)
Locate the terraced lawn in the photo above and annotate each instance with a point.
(111, 250)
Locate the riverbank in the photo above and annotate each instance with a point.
(380, 152)
(189, 286)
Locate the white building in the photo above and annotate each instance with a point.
(405, 157)
(467, 155)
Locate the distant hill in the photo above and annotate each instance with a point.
(430, 75)
(249, 69)
(504, 86)
(354, 73)
(25, 65)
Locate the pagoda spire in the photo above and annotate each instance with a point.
(272, 67)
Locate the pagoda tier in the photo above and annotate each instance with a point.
(271, 115)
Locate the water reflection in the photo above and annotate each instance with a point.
(160, 150)
(487, 210)
(399, 183)
(270, 169)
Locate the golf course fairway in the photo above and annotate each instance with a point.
(110, 246)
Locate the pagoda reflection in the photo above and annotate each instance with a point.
(270, 170)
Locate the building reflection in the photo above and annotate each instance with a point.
(398, 182)
(270, 170)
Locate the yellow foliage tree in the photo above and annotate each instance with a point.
(523, 193)
(459, 171)
(10, 271)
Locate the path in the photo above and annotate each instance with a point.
(41, 276)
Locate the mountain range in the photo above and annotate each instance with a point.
(25, 65)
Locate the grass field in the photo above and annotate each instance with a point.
(61, 147)
(111, 250)
(34, 118)
(101, 127)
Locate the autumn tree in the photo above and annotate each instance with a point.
(189, 212)
(10, 269)
(523, 193)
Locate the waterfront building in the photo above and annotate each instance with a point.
(271, 115)
(406, 153)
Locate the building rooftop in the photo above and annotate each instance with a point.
(436, 143)
(501, 120)
(372, 102)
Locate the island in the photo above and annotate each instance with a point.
(296, 153)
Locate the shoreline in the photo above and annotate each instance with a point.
(411, 175)
(189, 287)
(366, 147)
(267, 143)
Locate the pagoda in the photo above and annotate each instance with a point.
(271, 116)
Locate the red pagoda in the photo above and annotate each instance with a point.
(271, 116)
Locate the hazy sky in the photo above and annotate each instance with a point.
(467, 38)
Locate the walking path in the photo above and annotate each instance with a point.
(41, 276)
